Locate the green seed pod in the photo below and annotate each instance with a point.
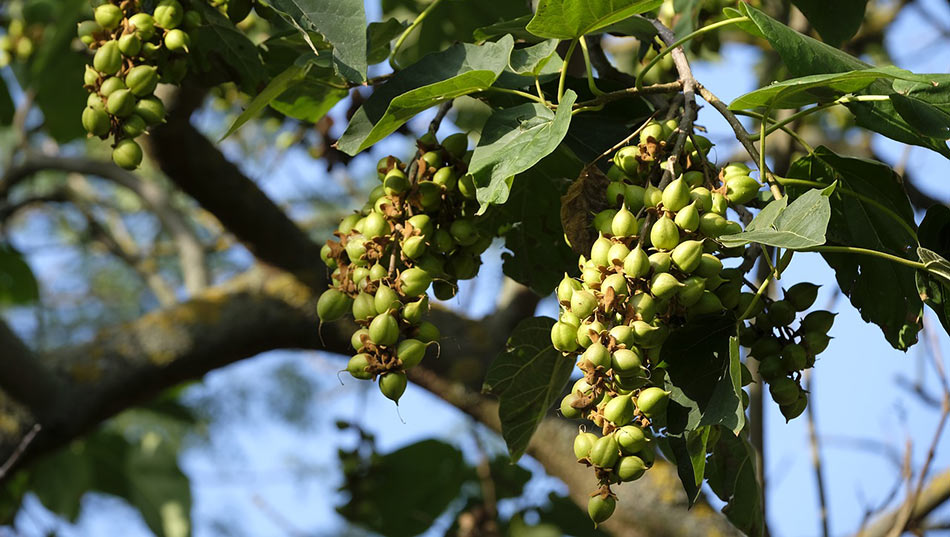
(433, 158)
(618, 253)
(414, 247)
(86, 30)
(624, 223)
(652, 196)
(802, 295)
(364, 307)
(597, 355)
(168, 14)
(151, 110)
(564, 337)
(90, 77)
(605, 452)
(766, 346)
(731, 228)
(360, 276)
(569, 411)
(384, 330)
(653, 131)
(143, 24)
(393, 385)
(702, 197)
(709, 266)
(108, 59)
(432, 264)
(446, 178)
(647, 455)
(410, 352)
(708, 304)
(109, 16)
(694, 178)
(583, 303)
(711, 225)
(729, 293)
(96, 121)
(130, 45)
(443, 241)
(745, 300)
(127, 154)
(815, 342)
(192, 18)
(467, 187)
(569, 318)
(784, 390)
(414, 312)
(355, 250)
(627, 362)
(630, 468)
(631, 439)
(793, 410)
(619, 410)
(664, 234)
(660, 262)
(463, 266)
(133, 126)
(121, 103)
(649, 336)
(617, 282)
(142, 80)
(464, 232)
(325, 257)
(781, 313)
(616, 175)
(603, 220)
(177, 40)
(111, 85)
(346, 225)
(357, 366)
(614, 195)
(741, 189)
(413, 282)
(356, 340)
(566, 289)
(688, 218)
(427, 332)
(687, 255)
(692, 291)
(599, 251)
(626, 159)
(385, 300)
(653, 401)
(676, 195)
(600, 508)
(636, 264)
(583, 443)
(456, 144)
(591, 276)
(332, 305)
(395, 182)
(818, 321)
(719, 204)
(584, 333)
(735, 168)
(794, 357)
(664, 285)
(423, 223)
(644, 305)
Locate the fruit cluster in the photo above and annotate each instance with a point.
(19, 41)
(417, 229)
(134, 51)
(651, 269)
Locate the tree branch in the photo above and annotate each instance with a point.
(933, 495)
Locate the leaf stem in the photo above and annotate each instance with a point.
(842, 100)
(524, 94)
(656, 59)
(590, 70)
(567, 59)
(405, 33)
(864, 251)
(537, 86)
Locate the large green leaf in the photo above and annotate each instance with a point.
(512, 141)
(797, 226)
(532, 60)
(836, 21)
(460, 70)
(925, 117)
(883, 291)
(689, 454)
(378, 37)
(934, 235)
(568, 19)
(224, 50)
(310, 99)
(341, 22)
(17, 284)
(290, 77)
(528, 377)
(730, 472)
(158, 488)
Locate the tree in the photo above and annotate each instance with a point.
(583, 116)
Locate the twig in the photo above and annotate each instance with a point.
(626, 93)
(19, 451)
(439, 116)
(816, 457)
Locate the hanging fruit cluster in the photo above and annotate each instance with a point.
(133, 52)
(20, 40)
(417, 229)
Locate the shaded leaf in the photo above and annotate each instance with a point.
(810, 89)
(528, 377)
(836, 21)
(378, 37)
(923, 116)
(515, 27)
(687, 12)
(460, 70)
(730, 472)
(689, 454)
(799, 226)
(219, 45)
(568, 19)
(532, 60)
(290, 77)
(341, 22)
(934, 235)
(18, 286)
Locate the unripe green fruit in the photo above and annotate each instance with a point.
(719, 204)
(410, 352)
(133, 126)
(356, 340)
(630, 468)
(624, 223)
(614, 194)
(108, 59)
(569, 411)
(463, 266)
(355, 250)
(664, 234)
(433, 264)
(142, 80)
(692, 291)
(414, 282)
(90, 77)
(393, 385)
(143, 24)
(109, 16)
(735, 168)
(467, 187)
(427, 332)
(687, 255)
(360, 276)
(456, 144)
(784, 390)
(707, 304)
(745, 300)
(364, 307)
(649, 336)
(127, 154)
(130, 45)
(731, 228)
(150, 50)
(633, 196)
(781, 313)
(652, 401)
(599, 508)
(591, 276)
(357, 367)
(414, 247)
(583, 303)
(414, 312)
(446, 178)
(816, 342)
(121, 103)
(664, 285)
(676, 195)
(385, 300)
(644, 305)
(443, 241)
(569, 318)
(741, 189)
(597, 355)
(688, 218)
(702, 197)
(600, 251)
(177, 40)
(637, 263)
(583, 443)
(660, 262)
(603, 220)
(654, 131)
(818, 321)
(709, 266)
(433, 158)
(626, 159)
(564, 337)
(616, 282)
(395, 182)
(95, 121)
(652, 196)
(794, 357)
(802, 295)
(619, 410)
(464, 232)
(711, 225)
(192, 18)
(626, 362)
(423, 223)
(111, 85)
(151, 110)
(384, 330)
(623, 334)
(765, 346)
(605, 452)
(669, 127)
(346, 225)
(694, 178)
(616, 175)
(168, 14)
(793, 410)
(85, 31)
(729, 293)
(332, 305)
(584, 333)
(631, 439)
(566, 289)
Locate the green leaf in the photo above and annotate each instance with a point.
(513, 140)
(837, 21)
(60, 480)
(636, 26)
(515, 27)
(460, 70)
(802, 91)
(923, 116)
(220, 46)
(689, 454)
(528, 377)
(701, 376)
(290, 77)
(799, 226)
(569, 19)
(341, 22)
(730, 472)
(378, 37)
(158, 488)
(532, 60)
(688, 16)
(6, 104)
(883, 291)
(309, 100)
(934, 234)
(936, 264)
(17, 284)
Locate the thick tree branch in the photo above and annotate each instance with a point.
(23, 378)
